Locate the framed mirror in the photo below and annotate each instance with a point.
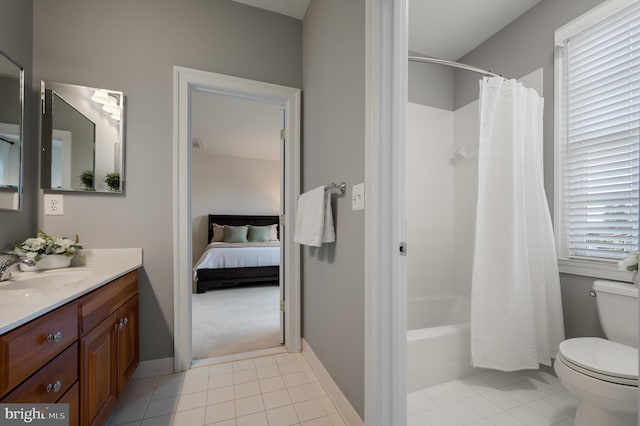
(82, 138)
(11, 114)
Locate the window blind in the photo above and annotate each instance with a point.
(602, 107)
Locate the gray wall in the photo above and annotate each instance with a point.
(430, 84)
(230, 185)
(16, 36)
(132, 47)
(333, 151)
(520, 48)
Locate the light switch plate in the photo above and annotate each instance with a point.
(53, 205)
(357, 197)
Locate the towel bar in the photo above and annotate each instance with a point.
(342, 186)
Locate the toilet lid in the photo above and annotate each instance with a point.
(602, 359)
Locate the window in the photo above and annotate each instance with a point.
(598, 135)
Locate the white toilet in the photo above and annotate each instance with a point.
(603, 374)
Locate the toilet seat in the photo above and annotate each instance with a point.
(601, 359)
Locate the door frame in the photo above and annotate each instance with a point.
(386, 213)
(184, 80)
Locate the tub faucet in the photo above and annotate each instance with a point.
(6, 266)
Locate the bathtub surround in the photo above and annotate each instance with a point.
(430, 211)
(439, 282)
(521, 47)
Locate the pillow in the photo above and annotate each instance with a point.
(218, 233)
(273, 233)
(259, 233)
(235, 234)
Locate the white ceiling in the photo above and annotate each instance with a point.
(232, 127)
(448, 29)
(294, 8)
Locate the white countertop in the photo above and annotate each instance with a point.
(29, 295)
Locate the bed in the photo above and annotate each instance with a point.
(212, 269)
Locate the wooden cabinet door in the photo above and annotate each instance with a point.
(128, 349)
(98, 372)
(72, 397)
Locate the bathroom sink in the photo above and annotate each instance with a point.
(37, 282)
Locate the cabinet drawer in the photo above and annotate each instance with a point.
(101, 303)
(50, 382)
(27, 348)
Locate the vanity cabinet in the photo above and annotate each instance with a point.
(83, 353)
(109, 351)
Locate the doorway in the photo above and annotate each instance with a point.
(236, 184)
(186, 82)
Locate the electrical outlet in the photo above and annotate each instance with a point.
(53, 205)
(357, 197)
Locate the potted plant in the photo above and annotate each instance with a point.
(113, 181)
(49, 252)
(86, 178)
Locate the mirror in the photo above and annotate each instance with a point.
(11, 112)
(82, 138)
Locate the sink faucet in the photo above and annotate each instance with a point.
(6, 266)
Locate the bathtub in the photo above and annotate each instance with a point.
(438, 340)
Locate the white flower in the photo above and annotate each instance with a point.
(42, 245)
(629, 263)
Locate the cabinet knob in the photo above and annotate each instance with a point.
(116, 326)
(122, 322)
(54, 387)
(57, 337)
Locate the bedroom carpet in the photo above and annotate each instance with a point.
(235, 320)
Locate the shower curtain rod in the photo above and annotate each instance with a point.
(430, 60)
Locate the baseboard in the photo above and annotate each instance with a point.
(341, 402)
(154, 367)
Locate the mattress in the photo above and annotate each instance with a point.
(239, 255)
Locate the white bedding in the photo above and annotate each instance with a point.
(239, 255)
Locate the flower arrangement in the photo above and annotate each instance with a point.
(43, 245)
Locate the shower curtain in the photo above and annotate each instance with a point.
(516, 310)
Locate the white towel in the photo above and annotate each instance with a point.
(314, 218)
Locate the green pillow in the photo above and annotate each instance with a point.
(258, 233)
(235, 234)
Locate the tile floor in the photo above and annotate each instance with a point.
(490, 398)
(275, 390)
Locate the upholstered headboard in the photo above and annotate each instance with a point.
(239, 220)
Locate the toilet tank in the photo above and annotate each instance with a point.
(618, 311)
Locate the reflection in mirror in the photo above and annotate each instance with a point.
(82, 136)
(11, 107)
